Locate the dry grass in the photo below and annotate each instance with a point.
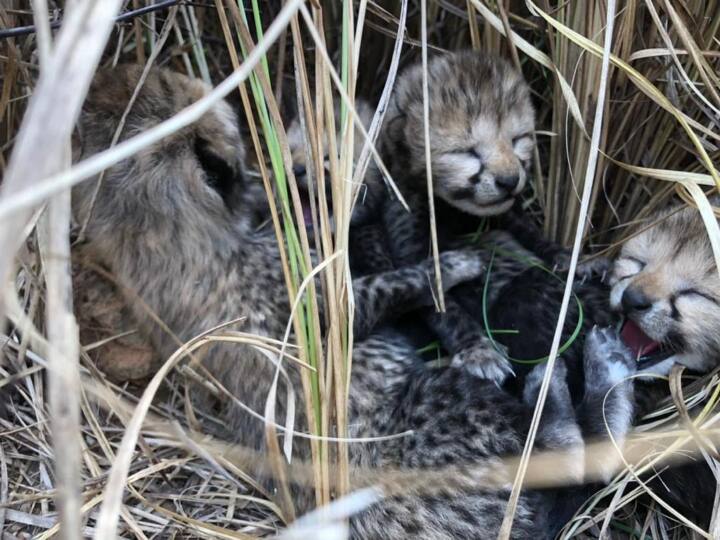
(656, 137)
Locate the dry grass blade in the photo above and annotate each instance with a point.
(364, 159)
(348, 102)
(506, 527)
(110, 509)
(64, 384)
(52, 111)
(428, 167)
(643, 84)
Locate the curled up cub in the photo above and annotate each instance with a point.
(170, 225)
(481, 140)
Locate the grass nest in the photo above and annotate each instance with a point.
(659, 142)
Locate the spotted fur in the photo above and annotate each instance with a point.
(481, 138)
(171, 224)
(458, 421)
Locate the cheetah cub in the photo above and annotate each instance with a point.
(171, 225)
(481, 142)
(460, 421)
(666, 285)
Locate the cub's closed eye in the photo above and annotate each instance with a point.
(519, 138)
(467, 152)
(698, 294)
(635, 260)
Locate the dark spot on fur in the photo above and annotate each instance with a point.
(219, 174)
(674, 313)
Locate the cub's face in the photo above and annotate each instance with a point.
(194, 176)
(299, 152)
(481, 131)
(666, 284)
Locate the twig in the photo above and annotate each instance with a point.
(428, 162)
(25, 30)
(506, 526)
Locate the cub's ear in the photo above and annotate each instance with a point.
(76, 143)
(219, 174)
(394, 128)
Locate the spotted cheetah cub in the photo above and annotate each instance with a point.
(306, 176)
(171, 225)
(665, 283)
(481, 142)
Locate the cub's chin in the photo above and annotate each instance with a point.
(483, 209)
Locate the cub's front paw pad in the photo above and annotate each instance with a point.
(483, 361)
(459, 266)
(606, 357)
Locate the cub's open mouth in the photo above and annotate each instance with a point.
(647, 351)
(307, 207)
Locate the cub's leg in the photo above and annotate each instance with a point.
(459, 332)
(559, 429)
(607, 406)
(380, 296)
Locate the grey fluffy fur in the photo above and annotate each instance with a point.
(169, 224)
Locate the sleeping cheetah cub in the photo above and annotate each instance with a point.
(666, 284)
(171, 225)
(307, 182)
(481, 143)
(369, 252)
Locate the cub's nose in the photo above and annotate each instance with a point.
(299, 170)
(508, 183)
(635, 300)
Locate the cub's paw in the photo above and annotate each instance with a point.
(589, 269)
(596, 267)
(460, 265)
(534, 379)
(607, 360)
(484, 361)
